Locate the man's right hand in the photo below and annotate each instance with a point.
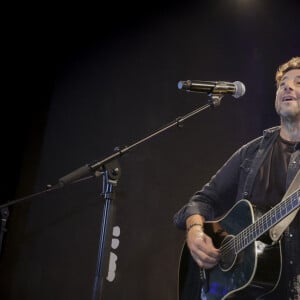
(200, 244)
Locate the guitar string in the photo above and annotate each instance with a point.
(240, 241)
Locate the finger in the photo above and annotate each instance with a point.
(206, 248)
(204, 264)
(203, 257)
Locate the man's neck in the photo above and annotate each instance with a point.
(290, 130)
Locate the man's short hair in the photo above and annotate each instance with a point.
(293, 63)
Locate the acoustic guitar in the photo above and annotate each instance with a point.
(250, 264)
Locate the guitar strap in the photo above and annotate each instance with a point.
(279, 228)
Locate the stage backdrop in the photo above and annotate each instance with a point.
(109, 83)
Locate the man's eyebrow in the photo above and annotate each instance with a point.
(285, 77)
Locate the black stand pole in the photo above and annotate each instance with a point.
(110, 180)
(110, 171)
(4, 213)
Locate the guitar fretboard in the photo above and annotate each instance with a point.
(262, 224)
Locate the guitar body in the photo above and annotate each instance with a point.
(250, 274)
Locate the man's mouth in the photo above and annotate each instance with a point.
(288, 98)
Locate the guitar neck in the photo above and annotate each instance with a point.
(265, 222)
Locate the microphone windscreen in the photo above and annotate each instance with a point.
(240, 89)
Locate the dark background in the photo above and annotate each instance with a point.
(83, 79)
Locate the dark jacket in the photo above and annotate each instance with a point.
(235, 180)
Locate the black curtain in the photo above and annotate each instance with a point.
(84, 80)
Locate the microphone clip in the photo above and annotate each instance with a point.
(215, 100)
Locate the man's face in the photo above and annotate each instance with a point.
(287, 101)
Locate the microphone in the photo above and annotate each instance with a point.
(236, 89)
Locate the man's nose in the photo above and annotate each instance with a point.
(289, 85)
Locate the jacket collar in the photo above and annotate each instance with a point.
(275, 130)
(271, 131)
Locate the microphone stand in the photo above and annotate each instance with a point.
(110, 169)
(4, 213)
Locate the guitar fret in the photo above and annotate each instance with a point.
(255, 230)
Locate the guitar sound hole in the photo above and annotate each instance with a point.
(228, 256)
